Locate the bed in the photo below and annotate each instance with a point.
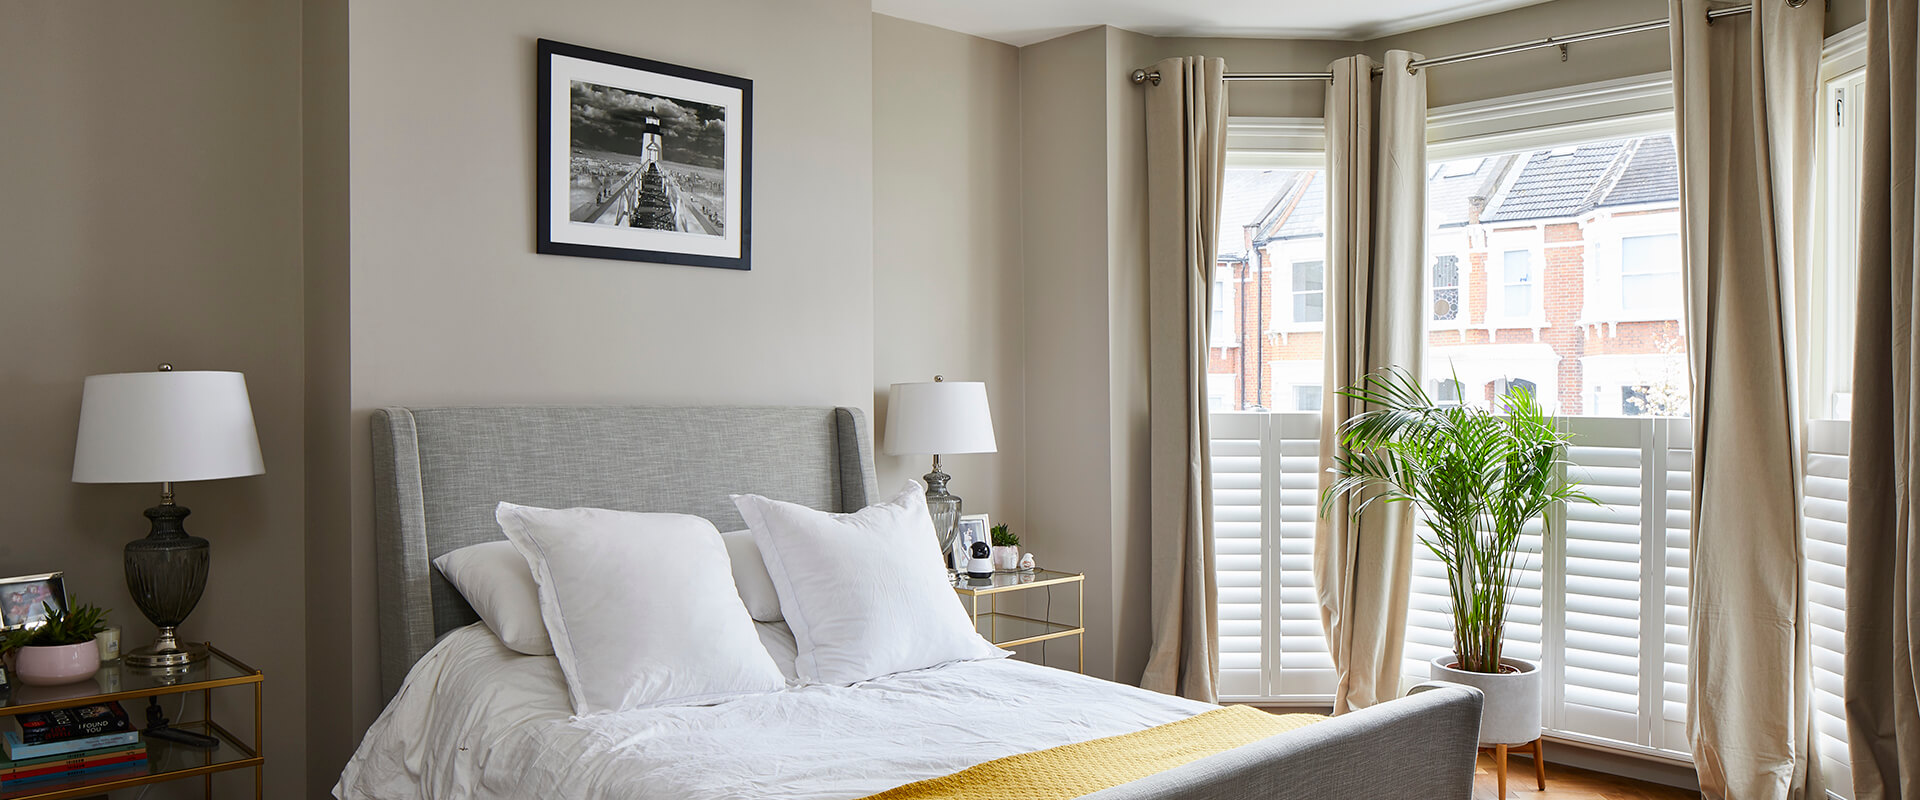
(468, 718)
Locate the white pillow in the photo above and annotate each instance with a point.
(640, 607)
(494, 578)
(750, 576)
(865, 593)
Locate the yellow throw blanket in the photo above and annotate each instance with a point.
(1078, 769)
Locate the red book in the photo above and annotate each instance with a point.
(73, 765)
(88, 776)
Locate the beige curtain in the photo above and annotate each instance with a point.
(1883, 524)
(1744, 90)
(1376, 253)
(1186, 161)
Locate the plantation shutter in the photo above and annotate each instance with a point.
(1825, 516)
(1306, 669)
(1429, 615)
(1265, 494)
(1238, 550)
(1677, 523)
(1600, 686)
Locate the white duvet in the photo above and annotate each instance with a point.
(477, 720)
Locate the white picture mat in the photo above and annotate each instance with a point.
(566, 70)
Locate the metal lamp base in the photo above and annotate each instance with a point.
(180, 654)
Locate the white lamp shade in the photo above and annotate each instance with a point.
(939, 417)
(154, 427)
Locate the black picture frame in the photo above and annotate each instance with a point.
(639, 203)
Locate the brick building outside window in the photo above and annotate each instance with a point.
(1555, 270)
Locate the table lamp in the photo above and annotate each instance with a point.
(938, 417)
(166, 427)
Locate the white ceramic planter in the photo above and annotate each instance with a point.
(1006, 558)
(54, 666)
(1510, 712)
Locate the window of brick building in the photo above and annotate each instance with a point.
(1650, 272)
(1309, 291)
(1516, 283)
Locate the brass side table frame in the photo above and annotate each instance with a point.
(1008, 630)
(145, 683)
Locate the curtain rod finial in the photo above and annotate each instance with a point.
(1141, 76)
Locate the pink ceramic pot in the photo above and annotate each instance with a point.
(53, 666)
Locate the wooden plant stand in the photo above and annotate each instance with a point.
(1500, 752)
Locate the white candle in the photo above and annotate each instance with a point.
(109, 642)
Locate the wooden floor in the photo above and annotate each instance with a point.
(1566, 783)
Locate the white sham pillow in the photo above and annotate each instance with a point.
(751, 578)
(865, 594)
(640, 607)
(494, 578)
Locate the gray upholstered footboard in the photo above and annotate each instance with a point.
(1420, 747)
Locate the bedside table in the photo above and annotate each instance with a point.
(166, 761)
(1008, 630)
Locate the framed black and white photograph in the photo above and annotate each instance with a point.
(24, 599)
(973, 528)
(643, 161)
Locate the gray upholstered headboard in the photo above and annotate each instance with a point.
(438, 472)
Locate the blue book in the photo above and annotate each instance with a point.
(17, 750)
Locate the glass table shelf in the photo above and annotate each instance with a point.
(1010, 630)
(165, 761)
(117, 681)
(1011, 580)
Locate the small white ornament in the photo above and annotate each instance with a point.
(1026, 561)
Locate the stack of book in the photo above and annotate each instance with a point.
(47, 750)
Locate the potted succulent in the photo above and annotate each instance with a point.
(1477, 477)
(59, 650)
(1006, 548)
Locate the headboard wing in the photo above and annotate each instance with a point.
(438, 472)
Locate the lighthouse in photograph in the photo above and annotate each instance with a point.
(650, 142)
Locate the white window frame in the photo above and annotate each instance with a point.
(1290, 273)
(1829, 286)
(1226, 293)
(1605, 301)
(1532, 240)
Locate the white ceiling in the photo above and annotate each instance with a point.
(1023, 22)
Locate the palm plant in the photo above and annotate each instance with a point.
(1475, 476)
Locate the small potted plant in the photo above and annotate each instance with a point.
(1006, 548)
(61, 649)
(1477, 477)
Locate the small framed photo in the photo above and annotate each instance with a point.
(24, 600)
(973, 528)
(642, 161)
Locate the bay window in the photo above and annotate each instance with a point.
(1567, 225)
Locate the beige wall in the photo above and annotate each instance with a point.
(947, 277)
(331, 588)
(150, 211)
(447, 303)
(1063, 125)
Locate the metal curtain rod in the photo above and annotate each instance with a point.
(1144, 76)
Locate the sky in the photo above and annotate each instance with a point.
(608, 118)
